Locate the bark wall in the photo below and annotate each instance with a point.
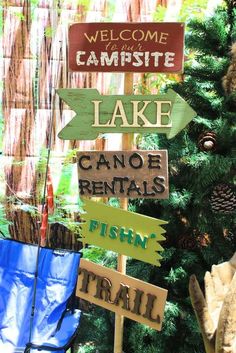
(35, 64)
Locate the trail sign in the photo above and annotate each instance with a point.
(127, 296)
(132, 174)
(163, 113)
(126, 47)
(122, 231)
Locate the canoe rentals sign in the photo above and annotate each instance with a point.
(132, 174)
(124, 295)
(123, 232)
(163, 113)
(126, 47)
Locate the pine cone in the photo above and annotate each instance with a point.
(229, 80)
(187, 242)
(230, 235)
(231, 4)
(203, 239)
(223, 199)
(207, 141)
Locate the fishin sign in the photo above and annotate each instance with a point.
(122, 231)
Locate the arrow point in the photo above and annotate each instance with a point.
(170, 91)
(181, 115)
(172, 133)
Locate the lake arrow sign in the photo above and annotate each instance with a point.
(163, 113)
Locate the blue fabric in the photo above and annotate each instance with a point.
(57, 276)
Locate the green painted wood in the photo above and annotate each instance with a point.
(123, 232)
(164, 113)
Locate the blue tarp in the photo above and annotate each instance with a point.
(53, 324)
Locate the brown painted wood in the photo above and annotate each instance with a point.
(132, 174)
(93, 279)
(126, 47)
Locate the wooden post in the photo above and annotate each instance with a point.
(127, 144)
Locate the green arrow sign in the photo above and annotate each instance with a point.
(122, 231)
(164, 113)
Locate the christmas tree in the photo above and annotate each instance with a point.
(202, 203)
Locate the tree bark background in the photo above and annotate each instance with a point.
(34, 65)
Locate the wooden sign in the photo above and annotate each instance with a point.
(132, 174)
(127, 296)
(163, 113)
(126, 47)
(122, 231)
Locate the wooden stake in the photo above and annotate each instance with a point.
(127, 144)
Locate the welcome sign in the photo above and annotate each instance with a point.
(126, 47)
(124, 232)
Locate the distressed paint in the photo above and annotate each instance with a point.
(124, 295)
(122, 231)
(132, 174)
(164, 113)
(126, 47)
